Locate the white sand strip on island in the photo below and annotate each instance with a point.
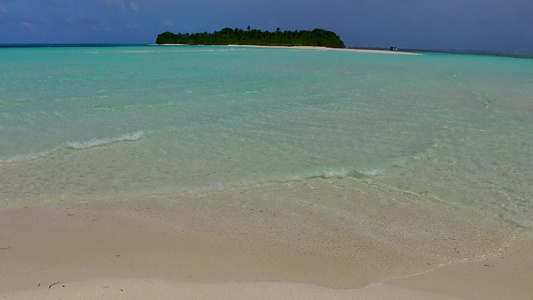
(334, 49)
(312, 239)
(312, 48)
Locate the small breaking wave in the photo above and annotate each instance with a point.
(135, 136)
(371, 171)
(338, 173)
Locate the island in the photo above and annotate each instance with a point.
(229, 36)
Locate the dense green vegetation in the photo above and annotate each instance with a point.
(227, 36)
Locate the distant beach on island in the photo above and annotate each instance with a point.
(335, 49)
(376, 51)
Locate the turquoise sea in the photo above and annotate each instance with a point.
(87, 123)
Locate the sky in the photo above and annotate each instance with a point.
(491, 25)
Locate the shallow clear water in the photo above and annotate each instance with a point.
(104, 122)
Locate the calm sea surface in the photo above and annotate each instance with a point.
(82, 123)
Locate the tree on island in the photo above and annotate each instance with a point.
(227, 36)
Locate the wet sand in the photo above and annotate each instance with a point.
(312, 239)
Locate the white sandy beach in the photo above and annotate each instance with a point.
(335, 49)
(316, 239)
(319, 48)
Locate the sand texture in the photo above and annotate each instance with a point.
(312, 239)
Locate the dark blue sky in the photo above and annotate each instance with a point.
(497, 25)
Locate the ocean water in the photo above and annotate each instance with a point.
(86, 123)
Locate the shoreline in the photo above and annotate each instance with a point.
(495, 278)
(319, 237)
(307, 48)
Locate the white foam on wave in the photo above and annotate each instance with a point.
(135, 136)
(336, 173)
(371, 171)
